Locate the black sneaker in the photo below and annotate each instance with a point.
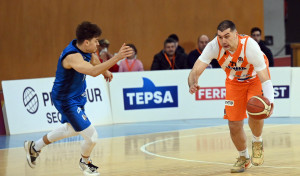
(31, 154)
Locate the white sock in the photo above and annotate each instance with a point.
(245, 153)
(90, 137)
(257, 139)
(86, 160)
(39, 144)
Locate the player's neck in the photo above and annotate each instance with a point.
(81, 47)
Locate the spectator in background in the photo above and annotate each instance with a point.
(256, 35)
(131, 63)
(105, 55)
(193, 56)
(168, 59)
(179, 48)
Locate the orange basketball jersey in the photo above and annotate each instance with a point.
(236, 64)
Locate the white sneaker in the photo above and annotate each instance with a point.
(241, 165)
(88, 169)
(31, 154)
(257, 158)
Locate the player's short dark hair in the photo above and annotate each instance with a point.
(255, 29)
(169, 40)
(133, 47)
(86, 31)
(225, 25)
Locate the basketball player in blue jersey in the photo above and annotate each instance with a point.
(68, 94)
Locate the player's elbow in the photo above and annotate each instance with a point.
(94, 73)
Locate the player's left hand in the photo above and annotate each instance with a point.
(108, 75)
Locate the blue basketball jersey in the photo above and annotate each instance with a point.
(68, 82)
(68, 92)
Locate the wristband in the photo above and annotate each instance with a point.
(268, 90)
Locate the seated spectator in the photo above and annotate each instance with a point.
(179, 48)
(193, 55)
(168, 59)
(105, 55)
(131, 63)
(256, 35)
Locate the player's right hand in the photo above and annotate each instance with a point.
(194, 88)
(124, 52)
(271, 110)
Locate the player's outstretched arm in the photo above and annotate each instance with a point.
(76, 62)
(108, 76)
(194, 75)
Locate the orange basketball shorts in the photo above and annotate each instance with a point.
(237, 96)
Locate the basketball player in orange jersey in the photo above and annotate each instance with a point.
(247, 74)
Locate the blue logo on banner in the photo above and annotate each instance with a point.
(281, 91)
(149, 96)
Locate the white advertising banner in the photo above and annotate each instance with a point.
(138, 97)
(295, 96)
(281, 79)
(164, 95)
(29, 107)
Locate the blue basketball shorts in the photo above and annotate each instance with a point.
(72, 111)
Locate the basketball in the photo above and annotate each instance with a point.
(258, 107)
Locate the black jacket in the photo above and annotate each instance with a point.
(179, 49)
(193, 56)
(161, 63)
(267, 52)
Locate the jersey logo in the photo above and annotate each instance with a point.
(83, 79)
(83, 94)
(240, 59)
(78, 110)
(232, 66)
(84, 117)
(229, 103)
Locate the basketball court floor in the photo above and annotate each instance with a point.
(169, 148)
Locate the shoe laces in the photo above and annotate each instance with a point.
(92, 167)
(33, 152)
(240, 161)
(257, 149)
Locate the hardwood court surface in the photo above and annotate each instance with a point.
(192, 152)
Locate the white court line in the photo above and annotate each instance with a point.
(143, 149)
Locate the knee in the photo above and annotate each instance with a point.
(90, 135)
(235, 127)
(94, 138)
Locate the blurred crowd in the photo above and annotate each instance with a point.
(173, 55)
